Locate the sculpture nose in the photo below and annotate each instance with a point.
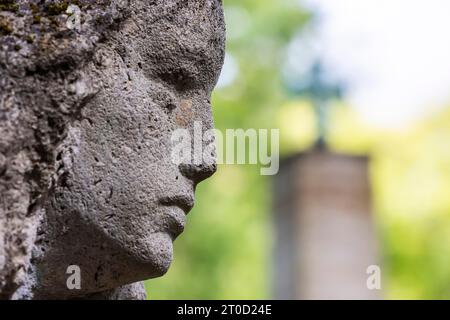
(202, 163)
(197, 173)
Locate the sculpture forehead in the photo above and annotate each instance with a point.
(182, 42)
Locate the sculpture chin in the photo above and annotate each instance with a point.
(162, 248)
(153, 254)
(151, 251)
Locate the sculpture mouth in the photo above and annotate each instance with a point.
(184, 202)
(178, 207)
(176, 221)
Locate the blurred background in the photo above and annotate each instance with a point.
(360, 90)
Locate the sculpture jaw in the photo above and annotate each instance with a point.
(101, 268)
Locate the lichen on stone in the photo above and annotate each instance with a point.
(5, 28)
(9, 5)
(57, 8)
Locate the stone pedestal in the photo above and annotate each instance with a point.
(325, 237)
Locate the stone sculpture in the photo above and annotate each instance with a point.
(90, 93)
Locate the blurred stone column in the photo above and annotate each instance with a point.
(325, 234)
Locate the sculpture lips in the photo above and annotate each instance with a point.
(185, 202)
(176, 221)
(178, 207)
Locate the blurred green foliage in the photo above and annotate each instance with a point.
(225, 252)
(410, 174)
(411, 179)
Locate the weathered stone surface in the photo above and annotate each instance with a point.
(86, 116)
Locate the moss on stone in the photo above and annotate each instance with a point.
(5, 28)
(99, 19)
(36, 19)
(29, 38)
(9, 5)
(34, 8)
(58, 8)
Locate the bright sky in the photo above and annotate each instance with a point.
(394, 53)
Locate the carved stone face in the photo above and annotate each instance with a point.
(119, 201)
